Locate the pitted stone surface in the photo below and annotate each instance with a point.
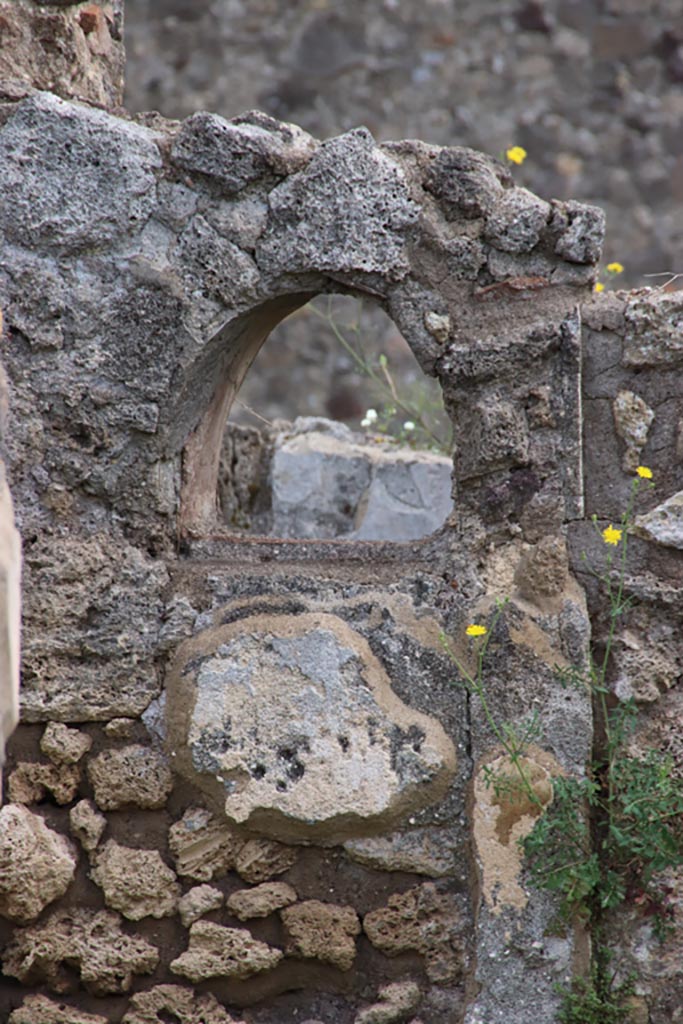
(198, 901)
(202, 847)
(131, 775)
(349, 210)
(37, 865)
(31, 781)
(137, 883)
(51, 144)
(237, 152)
(262, 859)
(664, 524)
(632, 418)
(295, 720)
(422, 851)
(322, 931)
(261, 901)
(425, 920)
(653, 334)
(41, 1010)
(175, 1002)
(87, 824)
(517, 220)
(396, 1002)
(218, 952)
(63, 745)
(85, 943)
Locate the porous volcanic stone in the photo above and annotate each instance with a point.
(82, 942)
(261, 859)
(422, 851)
(36, 864)
(323, 931)
(41, 1010)
(395, 1002)
(31, 781)
(294, 722)
(175, 1002)
(202, 847)
(135, 882)
(261, 901)
(63, 745)
(425, 920)
(215, 951)
(132, 775)
(87, 824)
(198, 901)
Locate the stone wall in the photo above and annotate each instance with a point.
(249, 783)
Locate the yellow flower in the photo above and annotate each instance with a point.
(599, 287)
(615, 268)
(610, 535)
(516, 154)
(644, 473)
(476, 630)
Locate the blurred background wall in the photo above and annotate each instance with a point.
(592, 89)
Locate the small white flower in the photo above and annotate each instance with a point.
(371, 415)
(408, 426)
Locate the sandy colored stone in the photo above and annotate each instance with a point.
(31, 781)
(261, 901)
(120, 728)
(395, 1002)
(197, 902)
(132, 775)
(323, 931)
(262, 859)
(87, 824)
(218, 952)
(37, 865)
(137, 883)
(633, 418)
(318, 746)
(543, 570)
(64, 745)
(663, 524)
(81, 942)
(424, 920)
(41, 1010)
(175, 1002)
(202, 847)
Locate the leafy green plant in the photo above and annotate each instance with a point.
(414, 416)
(606, 838)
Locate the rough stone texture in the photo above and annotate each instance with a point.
(262, 859)
(428, 851)
(215, 951)
(664, 523)
(326, 483)
(76, 50)
(135, 882)
(333, 750)
(37, 865)
(201, 846)
(261, 901)
(653, 334)
(633, 419)
(80, 943)
(63, 745)
(164, 1002)
(543, 572)
(87, 824)
(41, 1010)
(198, 901)
(425, 920)
(396, 1002)
(134, 775)
(322, 931)
(30, 782)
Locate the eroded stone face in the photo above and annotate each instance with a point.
(175, 1002)
(295, 722)
(135, 882)
(323, 931)
(36, 864)
(215, 952)
(88, 943)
